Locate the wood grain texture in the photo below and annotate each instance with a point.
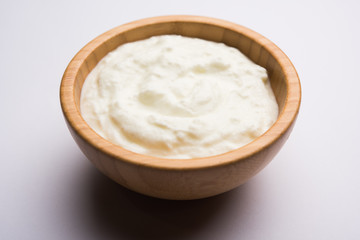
(183, 178)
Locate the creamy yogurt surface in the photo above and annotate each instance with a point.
(176, 97)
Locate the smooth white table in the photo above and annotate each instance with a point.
(311, 190)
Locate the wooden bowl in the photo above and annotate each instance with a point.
(183, 178)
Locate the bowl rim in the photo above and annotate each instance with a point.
(284, 121)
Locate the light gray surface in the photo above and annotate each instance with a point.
(50, 191)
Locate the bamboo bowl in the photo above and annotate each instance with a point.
(183, 178)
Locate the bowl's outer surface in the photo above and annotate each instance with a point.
(183, 178)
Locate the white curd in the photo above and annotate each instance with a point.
(176, 97)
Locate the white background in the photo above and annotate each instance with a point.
(49, 190)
